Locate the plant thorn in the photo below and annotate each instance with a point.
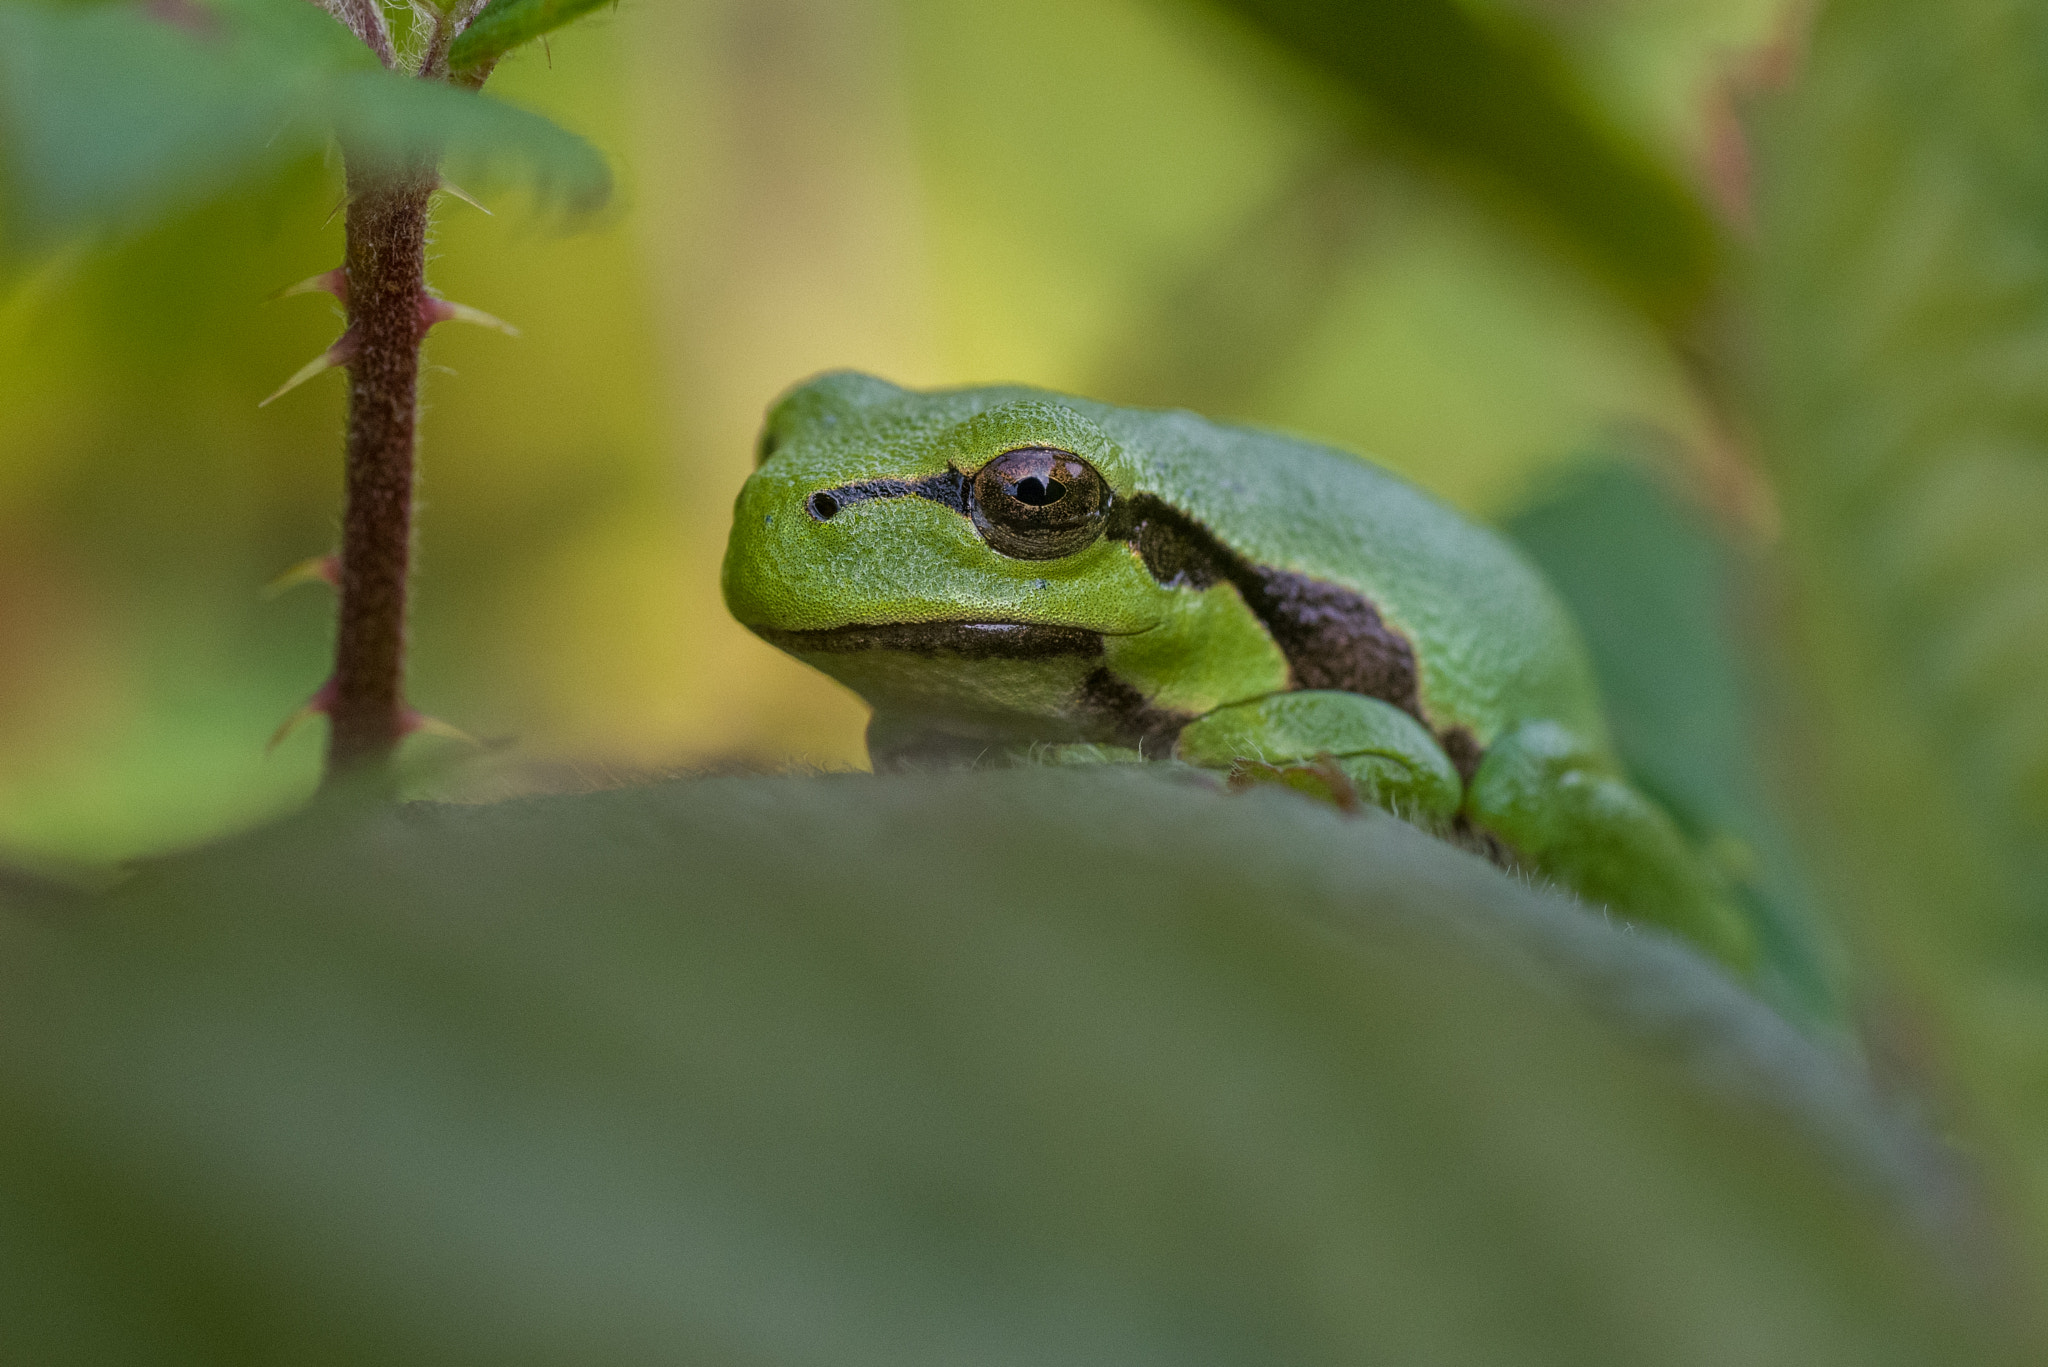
(316, 569)
(340, 354)
(433, 310)
(449, 187)
(419, 723)
(321, 702)
(334, 282)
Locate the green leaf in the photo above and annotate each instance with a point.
(1496, 103)
(110, 119)
(506, 24)
(1020, 1067)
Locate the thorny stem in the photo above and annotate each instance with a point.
(389, 311)
(386, 272)
(383, 282)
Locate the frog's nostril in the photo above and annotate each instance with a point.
(822, 506)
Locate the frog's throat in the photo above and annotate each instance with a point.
(953, 640)
(1094, 705)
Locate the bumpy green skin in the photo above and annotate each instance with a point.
(1496, 655)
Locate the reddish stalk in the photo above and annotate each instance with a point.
(382, 282)
(386, 294)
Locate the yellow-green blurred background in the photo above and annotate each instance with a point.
(1124, 198)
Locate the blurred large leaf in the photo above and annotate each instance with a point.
(1493, 99)
(110, 117)
(1006, 1068)
(1244, 310)
(1901, 305)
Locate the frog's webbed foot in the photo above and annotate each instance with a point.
(1341, 747)
(1565, 813)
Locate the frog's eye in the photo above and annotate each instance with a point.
(1039, 503)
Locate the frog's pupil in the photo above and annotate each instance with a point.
(1039, 492)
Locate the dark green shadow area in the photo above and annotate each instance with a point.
(1017, 1067)
(1489, 98)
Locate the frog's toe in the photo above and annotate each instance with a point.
(1558, 805)
(1380, 754)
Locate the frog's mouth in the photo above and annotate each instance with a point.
(954, 640)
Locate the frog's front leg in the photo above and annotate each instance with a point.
(1564, 811)
(1391, 758)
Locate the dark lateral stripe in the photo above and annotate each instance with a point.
(958, 640)
(948, 487)
(1111, 703)
(1332, 637)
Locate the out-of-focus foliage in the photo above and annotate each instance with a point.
(1490, 95)
(851, 1071)
(114, 115)
(1901, 369)
(505, 24)
(1363, 303)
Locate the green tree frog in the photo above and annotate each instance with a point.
(1007, 574)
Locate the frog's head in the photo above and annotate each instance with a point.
(950, 556)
